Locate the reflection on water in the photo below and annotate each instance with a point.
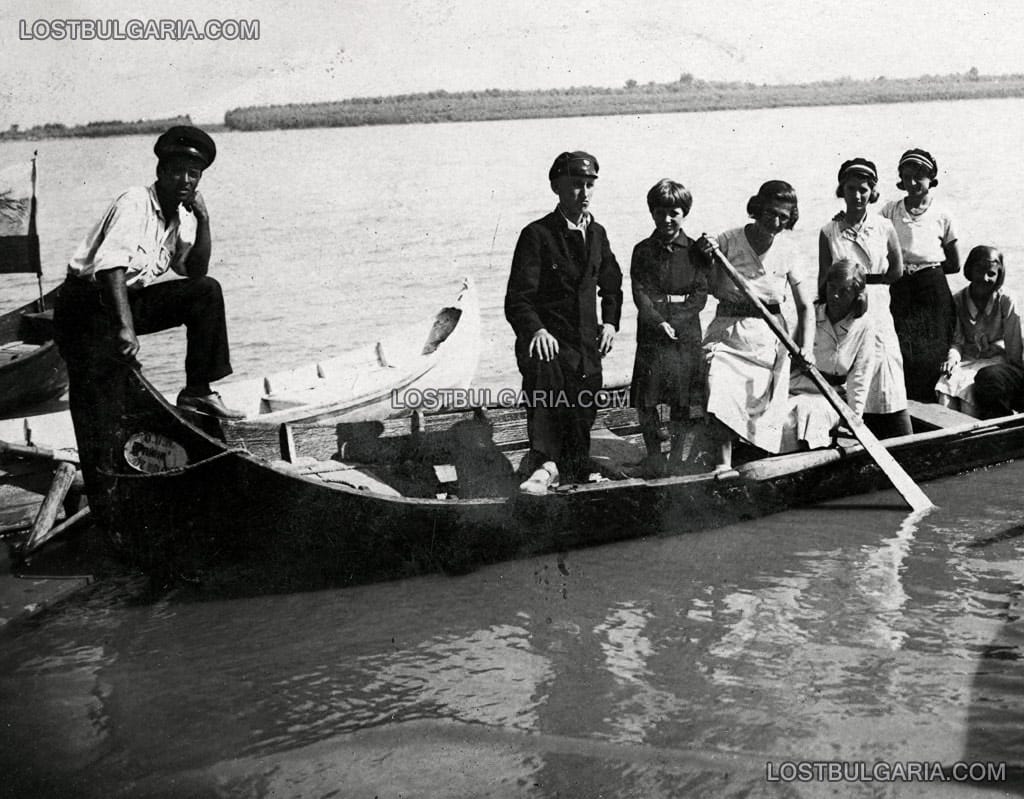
(663, 667)
(881, 584)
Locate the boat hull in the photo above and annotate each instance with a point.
(37, 372)
(239, 523)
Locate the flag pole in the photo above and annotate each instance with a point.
(33, 235)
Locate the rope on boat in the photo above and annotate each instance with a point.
(178, 469)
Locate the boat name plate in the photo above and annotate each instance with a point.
(153, 453)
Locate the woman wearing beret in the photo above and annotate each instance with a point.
(870, 240)
(922, 304)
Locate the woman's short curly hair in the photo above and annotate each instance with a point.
(979, 258)
(774, 191)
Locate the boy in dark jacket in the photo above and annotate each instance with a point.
(562, 264)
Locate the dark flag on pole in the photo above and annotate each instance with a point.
(19, 240)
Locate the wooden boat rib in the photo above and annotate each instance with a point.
(232, 516)
(31, 369)
(438, 353)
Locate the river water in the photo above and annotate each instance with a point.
(691, 665)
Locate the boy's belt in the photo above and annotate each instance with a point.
(913, 269)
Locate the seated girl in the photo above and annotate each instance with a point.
(848, 350)
(984, 373)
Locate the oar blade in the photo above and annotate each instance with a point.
(901, 481)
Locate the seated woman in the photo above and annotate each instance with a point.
(748, 368)
(848, 349)
(984, 373)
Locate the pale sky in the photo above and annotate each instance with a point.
(335, 49)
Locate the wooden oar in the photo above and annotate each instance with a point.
(902, 481)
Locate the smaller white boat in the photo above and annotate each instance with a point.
(390, 378)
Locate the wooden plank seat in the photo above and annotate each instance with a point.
(933, 416)
(331, 471)
(299, 379)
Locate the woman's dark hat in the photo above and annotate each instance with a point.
(921, 158)
(188, 141)
(576, 164)
(858, 166)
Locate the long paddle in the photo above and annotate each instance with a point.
(902, 481)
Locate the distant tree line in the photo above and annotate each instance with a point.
(55, 130)
(685, 94)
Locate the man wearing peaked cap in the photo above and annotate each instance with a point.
(577, 164)
(112, 292)
(561, 266)
(186, 141)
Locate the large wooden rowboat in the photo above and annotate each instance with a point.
(31, 369)
(425, 359)
(379, 500)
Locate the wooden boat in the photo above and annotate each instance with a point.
(396, 374)
(367, 501)
(31, 369)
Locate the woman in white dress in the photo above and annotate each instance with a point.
(748, 368)
(871, 241)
